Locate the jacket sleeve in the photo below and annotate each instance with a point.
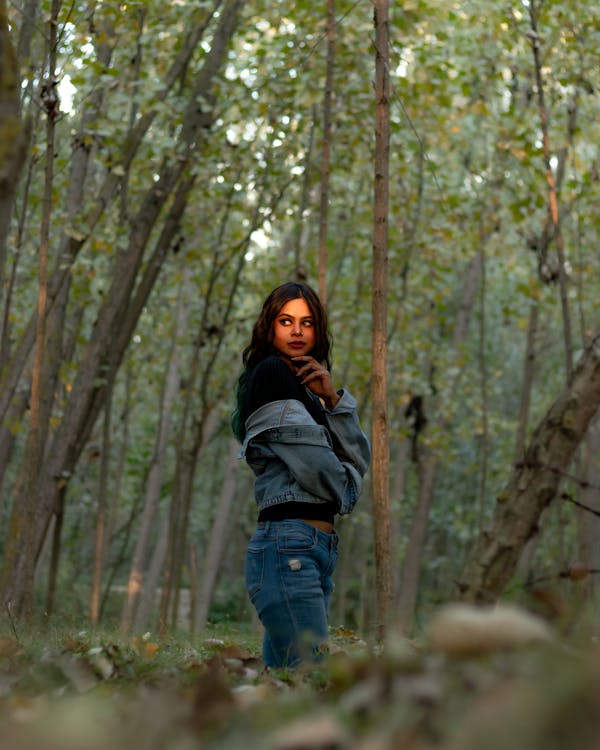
(349, 441)
(329, 462)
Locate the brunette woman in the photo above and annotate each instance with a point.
(304, 443)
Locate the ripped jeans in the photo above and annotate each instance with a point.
(289, 565)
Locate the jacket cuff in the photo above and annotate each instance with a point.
(345, 405)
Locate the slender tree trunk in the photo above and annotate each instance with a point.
(534, 483)
(553, 208)
(7, 438)
(588, 523)
(529, 363)
(101, 515)
(59, 516)
(484, 439)
(528, 378)
(17, 590)
(30, 125)
(145, 609)
(186, 462)
(401, 454)
(428, 466)
(326, 152)
(299, 239)
(218, 538)
(155, 475)
(411, 568)
(11, 135)
(380, 446)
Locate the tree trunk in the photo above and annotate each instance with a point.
(326, 152)
(55, 552)
(186, 462)
(218, 537)
(484, 432)
(380, 472)
(411, 568)
(155, 475)
(101, 515)
(16, 581)
(300, 272)
(145, 609)
(523, 420)
(588, 521)
(553, 208)
(7, 438)
(528, 376)
(11, 134)
(534, 483)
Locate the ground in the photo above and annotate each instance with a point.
(525, 689)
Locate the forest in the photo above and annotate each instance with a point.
(163, 166)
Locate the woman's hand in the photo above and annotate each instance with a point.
(317, 379)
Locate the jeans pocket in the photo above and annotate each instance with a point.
(294, 541)
(255, 570)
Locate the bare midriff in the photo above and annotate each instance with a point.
(321, 525)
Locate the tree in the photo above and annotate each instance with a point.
(534, 483)
(381, 490)
(11, 137)
(119, 313)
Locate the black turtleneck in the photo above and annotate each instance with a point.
(273, 380)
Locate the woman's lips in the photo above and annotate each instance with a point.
(297, 344)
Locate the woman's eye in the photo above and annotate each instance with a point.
(284, 322)
(307, 323)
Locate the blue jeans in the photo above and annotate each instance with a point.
(289, 565)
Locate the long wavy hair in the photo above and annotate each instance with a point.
(261, 341)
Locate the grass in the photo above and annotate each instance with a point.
(63, 688)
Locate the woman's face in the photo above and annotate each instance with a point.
(293, 329)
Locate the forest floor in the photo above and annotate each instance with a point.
(466, 685)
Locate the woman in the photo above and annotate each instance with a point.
(304, 443)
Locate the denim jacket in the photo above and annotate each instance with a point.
(295, 458)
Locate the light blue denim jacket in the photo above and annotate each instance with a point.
(295, 458)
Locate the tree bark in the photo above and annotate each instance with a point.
(528, 376)
(155, 474)
(553, 208)
(411, 567)
(16, 581)
(11, 134)
(326, 152)
(429, 460)
(380, 472)
(588, 521)
(218, 538)
(101, 513)
(300, 272)
(534, 483)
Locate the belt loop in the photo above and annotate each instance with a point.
(267, 527)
